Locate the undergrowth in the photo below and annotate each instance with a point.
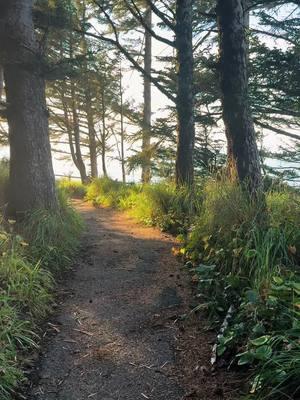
(29, 253)
(72, 188)
(246, 261)
(160, 204)
(4, 172)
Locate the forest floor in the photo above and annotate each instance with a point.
(118, 331)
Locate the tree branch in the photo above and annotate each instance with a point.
(138, 16)
(276, 130)
(117, 44)
(161, 15)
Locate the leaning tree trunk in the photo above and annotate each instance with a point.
(31, 182)
(67, 123)
(1, 82)
(92, 135)
(103, 133)
(89, 105)
(76, 130)
(122, 131)
(239, 127)
(185, 96)
(146, 139)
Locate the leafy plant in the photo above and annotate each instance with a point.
(74, 189)
(44, 241)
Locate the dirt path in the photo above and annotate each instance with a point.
(115, 334)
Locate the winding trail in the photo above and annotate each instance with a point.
(115, 334)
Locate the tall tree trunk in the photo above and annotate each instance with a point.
(122, 130)
(75, 122)
(239, 127)
(76, 130)
(88, 101)
(31, 182)
(103, 133)
(185, 96)
(1, 82)
(91, 135)
(146, 139)
(68, 125)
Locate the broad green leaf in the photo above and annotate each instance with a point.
(278, 280)
(245, 358)
(263, 352)
(261, 340)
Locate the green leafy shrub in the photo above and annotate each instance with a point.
(249, 257)
(75, 189)
(159, 204)
(105, 192)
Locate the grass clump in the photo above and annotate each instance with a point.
(45, 241)
(74, 189)
(53, 236)
(107, 192)
(246, 259)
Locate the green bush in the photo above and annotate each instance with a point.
(158, 204)
(245, 255)
(106, 192)
(74, 189)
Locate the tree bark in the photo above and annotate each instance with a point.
(185, 96)
(1, 82)
(122, 131)
(239, 127)
(68, 125)
(92, 135)
(76, 130)
(103, 133)
(75, 124)
(88, 103)
(31, 182)
(146, 139)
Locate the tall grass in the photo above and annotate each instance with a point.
(72, 188)
(247, 258)
(53, 236)
(44, 242)
(4, 172)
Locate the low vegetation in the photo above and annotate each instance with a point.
(75, 189)
(245, 261)
(29, 254)
(3, 181)
(160, 204)
(243, 258)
